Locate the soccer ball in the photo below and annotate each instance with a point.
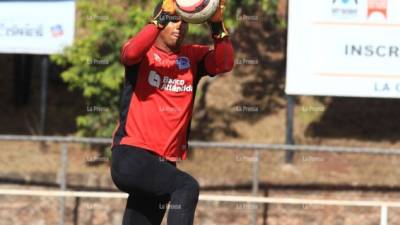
(196, 11)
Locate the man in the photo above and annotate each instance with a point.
(160, 84)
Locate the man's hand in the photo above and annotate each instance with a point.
(216, 23)
(165, 15)
(219, 14)
(168, 6)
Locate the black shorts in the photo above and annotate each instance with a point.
(151, 183)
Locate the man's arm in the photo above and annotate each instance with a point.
(221, 59)
(134, 50)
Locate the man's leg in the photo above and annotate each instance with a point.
(136, 170)
(183, 201)
(145, 210)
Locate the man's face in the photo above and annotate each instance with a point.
(174, 34)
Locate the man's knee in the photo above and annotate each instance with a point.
(194, 187)
(188, 184)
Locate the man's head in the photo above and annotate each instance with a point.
(173, 35)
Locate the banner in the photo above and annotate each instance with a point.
(36, 27)
(344, 48)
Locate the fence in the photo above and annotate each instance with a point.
(208, 145)
(219, 198)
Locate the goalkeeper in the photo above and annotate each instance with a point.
(161, 77)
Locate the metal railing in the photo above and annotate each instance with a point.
(223, 145)
(383, 205)
(213, 145)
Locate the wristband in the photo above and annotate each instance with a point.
(218, 30)
(161, 20)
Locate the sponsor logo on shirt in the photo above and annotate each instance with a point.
(157, 58)
(183, 63)
(154, 79)
(168, 84)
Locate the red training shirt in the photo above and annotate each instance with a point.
(159, 91)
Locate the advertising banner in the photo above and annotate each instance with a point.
(344, 48)
(36, 27)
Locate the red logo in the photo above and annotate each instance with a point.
(379, 6)
(57, 31)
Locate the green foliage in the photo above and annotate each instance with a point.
(93, 61)
(93, 65)
(249, 7)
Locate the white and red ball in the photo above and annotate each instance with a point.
(196, 11)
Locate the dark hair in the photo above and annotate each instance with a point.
(157, 8)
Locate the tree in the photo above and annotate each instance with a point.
(92, 63)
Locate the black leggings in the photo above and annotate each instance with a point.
(151, 184)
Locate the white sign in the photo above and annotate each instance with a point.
(344, 48)
(36, 27)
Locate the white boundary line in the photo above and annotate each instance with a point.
(217, 198)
